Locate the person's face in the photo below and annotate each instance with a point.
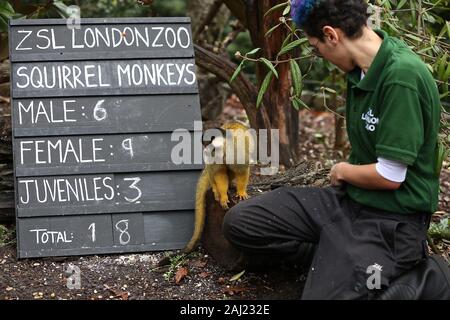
(332, 49)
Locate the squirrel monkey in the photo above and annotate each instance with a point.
(218, 176)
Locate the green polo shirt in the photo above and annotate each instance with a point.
(394, 113)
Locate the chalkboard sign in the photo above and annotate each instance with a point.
(93, 112)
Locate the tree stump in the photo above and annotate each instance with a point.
(213, 241)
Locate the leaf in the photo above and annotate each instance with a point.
(263, 88)
(237, 276)
(447, 73)
(253, 51)
(330, 90)
(277, 7)
(198, 264)
(288, 38)
(428, 17)
(297, 80)
(231, 291)
(413, 37)
(291, 46)
(3, 24)
(62, 9)
(6, 9)
(272, 29)
(270, 66)
(443, 153)
(401, 4)
(181, 274)
(301, 103)
(287, 10)
(391, 26)
(296, 104)
(424, 50)
(442, 67)
(237, 71)
(204, 274)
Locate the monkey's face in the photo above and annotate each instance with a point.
(214, 151)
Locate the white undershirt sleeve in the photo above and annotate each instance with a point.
(391, 170)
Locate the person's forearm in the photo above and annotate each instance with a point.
(365, 176)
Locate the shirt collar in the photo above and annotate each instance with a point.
(369, 82)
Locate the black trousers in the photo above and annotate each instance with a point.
(354, 243)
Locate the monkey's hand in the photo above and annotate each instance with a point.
(242, 195)
(224, 203)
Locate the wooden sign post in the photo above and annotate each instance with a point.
(93, 113)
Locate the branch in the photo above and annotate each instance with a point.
(232, 35)
(238, 9)
(241, 86)
(215, 7)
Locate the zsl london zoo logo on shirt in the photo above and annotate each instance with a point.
(371, 120)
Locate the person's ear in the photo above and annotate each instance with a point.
(331, 35)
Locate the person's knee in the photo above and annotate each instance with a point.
(233, 222)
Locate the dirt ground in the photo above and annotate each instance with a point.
(137, 276)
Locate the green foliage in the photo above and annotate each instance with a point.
(424, 27)
(296, 74)
(237, 71)
(176, 262)
(264, 86)
(440, 230)
(6, 12)
(241, 65)
(290, 44)
(62, 9)
(422, 24)
(270, 66)
(6, 236)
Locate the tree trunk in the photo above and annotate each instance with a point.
(283, 115)
(278, 105)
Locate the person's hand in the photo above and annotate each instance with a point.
(336, 174)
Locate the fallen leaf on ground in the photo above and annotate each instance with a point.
(204, 274)
(237, 276)
(181, 274)
(198, 263)
(234, 290)
(118, 293)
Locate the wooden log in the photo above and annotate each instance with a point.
(213, 240)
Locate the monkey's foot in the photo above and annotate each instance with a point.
(242, 196)
(224, 203)
(216, 196)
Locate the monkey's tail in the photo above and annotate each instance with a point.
(200, 196)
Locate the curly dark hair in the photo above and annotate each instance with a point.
(348, 15)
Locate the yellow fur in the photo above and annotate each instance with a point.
(218, 177)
